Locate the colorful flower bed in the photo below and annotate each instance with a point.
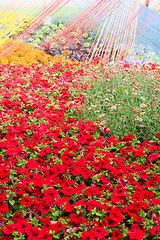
(64, 177)
(27, 55)
(12, 23)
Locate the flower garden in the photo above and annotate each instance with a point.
(79, 147)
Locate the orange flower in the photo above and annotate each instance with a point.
(65, 52)
(26, 55)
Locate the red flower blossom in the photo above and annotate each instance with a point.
(76, 219)
(22, 226)
(158, 135)
(33, 233)
(93, 191)
(95, 233)
(26, 201)
(68, 191)
(50, 194)
(58, 227)
(4, 207)
(44, 234)
(155, 231)
(44, 207)
(69, 207)
(116, 235)
(135, 233)
(139, 152)
(128, 138)
(18, 217)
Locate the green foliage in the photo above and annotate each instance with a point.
(39, 35)
(126, 103)
(86, 45)
(46, 29)
(54, 27)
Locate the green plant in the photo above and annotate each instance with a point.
(127, 103)
(39, 35)
(86, 45)
(46, 29)
(54, 27)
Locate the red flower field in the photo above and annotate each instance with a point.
(64, 177)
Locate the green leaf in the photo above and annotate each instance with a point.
(12, 202)
(24, 211)
(9, 213)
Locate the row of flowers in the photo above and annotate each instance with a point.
(25, 54)
(67, 178)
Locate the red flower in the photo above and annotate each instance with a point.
(135, 233)
(22, 226)
(33, 233)
(26, 201)
(128, 138)
(155, 230)
(69, 207)
(116, 235)
(158, 135)
(68, 191)
(62, 201)
(139, 152)
(45, 151)
(112, 140)
(58, 227)
(93, 191)
(95, 233)
(153, 157)
(4, 207)
(76, 219)
(126, 65)
(44, 207)
(116, 214)
(110, 222)
(44, 234)
(18, 217)
(85, 138)
(50, 194)
(4, 174)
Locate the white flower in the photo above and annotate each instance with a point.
(102, 115)
(113, 107)
(142, 105)
(143, 98)
(138, 119)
